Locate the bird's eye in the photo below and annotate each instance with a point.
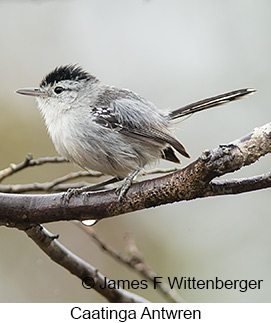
(58, 89)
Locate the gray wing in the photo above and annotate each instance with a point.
(133, 116)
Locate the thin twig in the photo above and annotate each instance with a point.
(39, 187)
(135, 260)
(28, 162)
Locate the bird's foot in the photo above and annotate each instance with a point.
(74, 192)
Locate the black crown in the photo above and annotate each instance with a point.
(67, 72)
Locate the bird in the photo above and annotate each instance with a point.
(111, 130)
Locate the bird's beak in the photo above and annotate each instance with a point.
(32, 92)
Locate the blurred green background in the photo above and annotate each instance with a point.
(171, 52)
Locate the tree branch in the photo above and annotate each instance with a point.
(57, 184)
(189, 183)
(78, 267)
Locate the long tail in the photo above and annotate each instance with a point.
(209, 103)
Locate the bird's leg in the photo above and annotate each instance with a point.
(122, 190)
(94, 187)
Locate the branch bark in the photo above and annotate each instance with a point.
(194, 181)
